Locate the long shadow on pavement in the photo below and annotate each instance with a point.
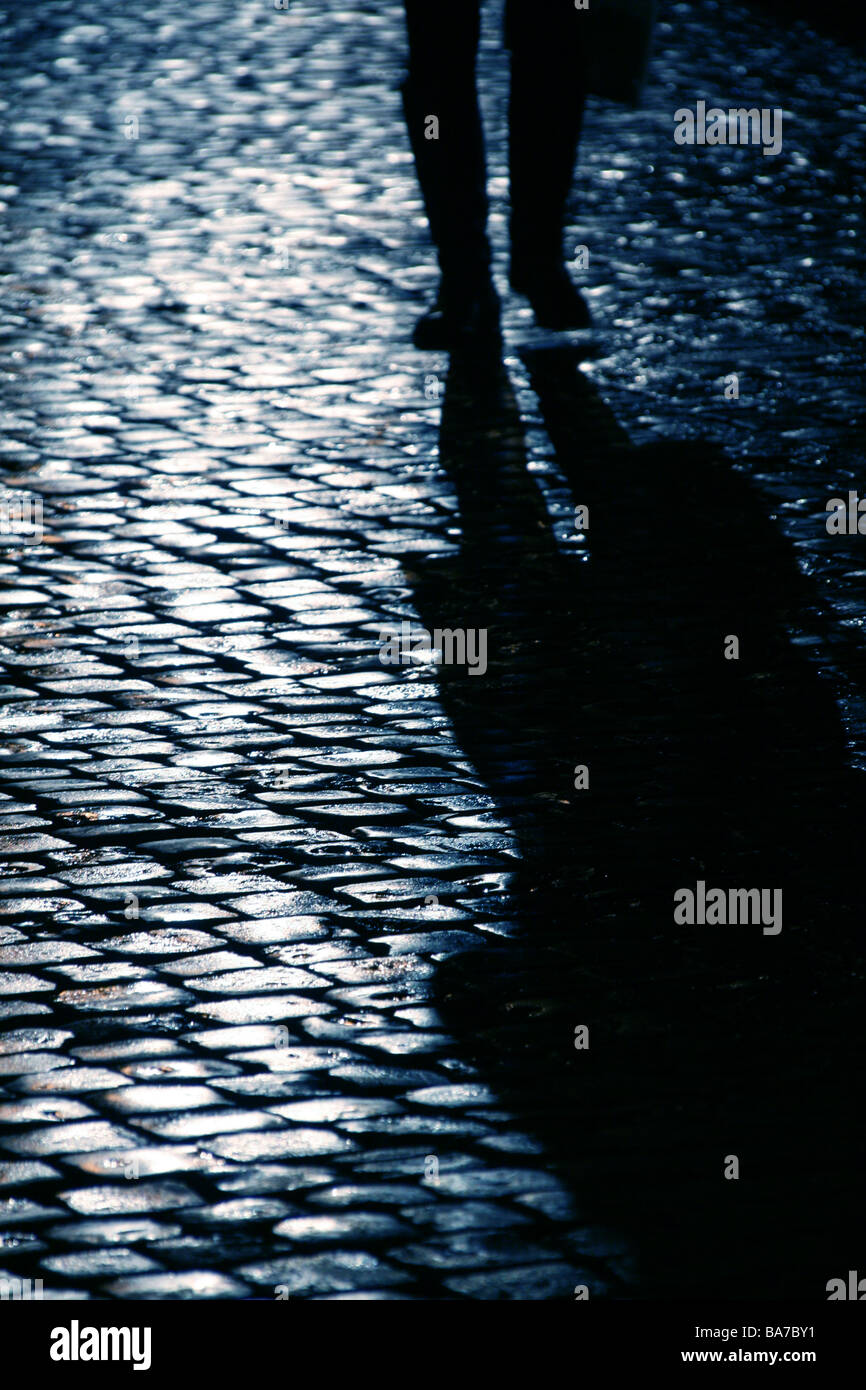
(705, 1041)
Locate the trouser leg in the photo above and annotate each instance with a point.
(443, 43)
(546, 105)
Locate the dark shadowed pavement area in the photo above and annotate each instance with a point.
(295, 943)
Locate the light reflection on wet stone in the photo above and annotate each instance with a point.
(208, 387)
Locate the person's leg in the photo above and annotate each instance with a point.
(545, 116)
(441, 108)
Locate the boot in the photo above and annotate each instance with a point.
(556, 301)
(452, 174)
(462, 316)
(545, 118)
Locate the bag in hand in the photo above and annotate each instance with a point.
(619, 34)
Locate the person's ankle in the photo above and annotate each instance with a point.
(460, 293)
(545, 280)
(535, 263)
(464, 311)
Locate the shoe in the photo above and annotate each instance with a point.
(556, 301)
(463, 320)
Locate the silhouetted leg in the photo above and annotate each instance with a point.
(545, 116)
(441, 108)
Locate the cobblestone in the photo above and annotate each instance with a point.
(265, 902)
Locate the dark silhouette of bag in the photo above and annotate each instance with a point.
(619, 36)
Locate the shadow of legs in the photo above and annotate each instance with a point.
(705, 1041)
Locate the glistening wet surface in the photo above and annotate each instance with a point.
(296, 942)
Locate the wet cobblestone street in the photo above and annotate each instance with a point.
(293, 944)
